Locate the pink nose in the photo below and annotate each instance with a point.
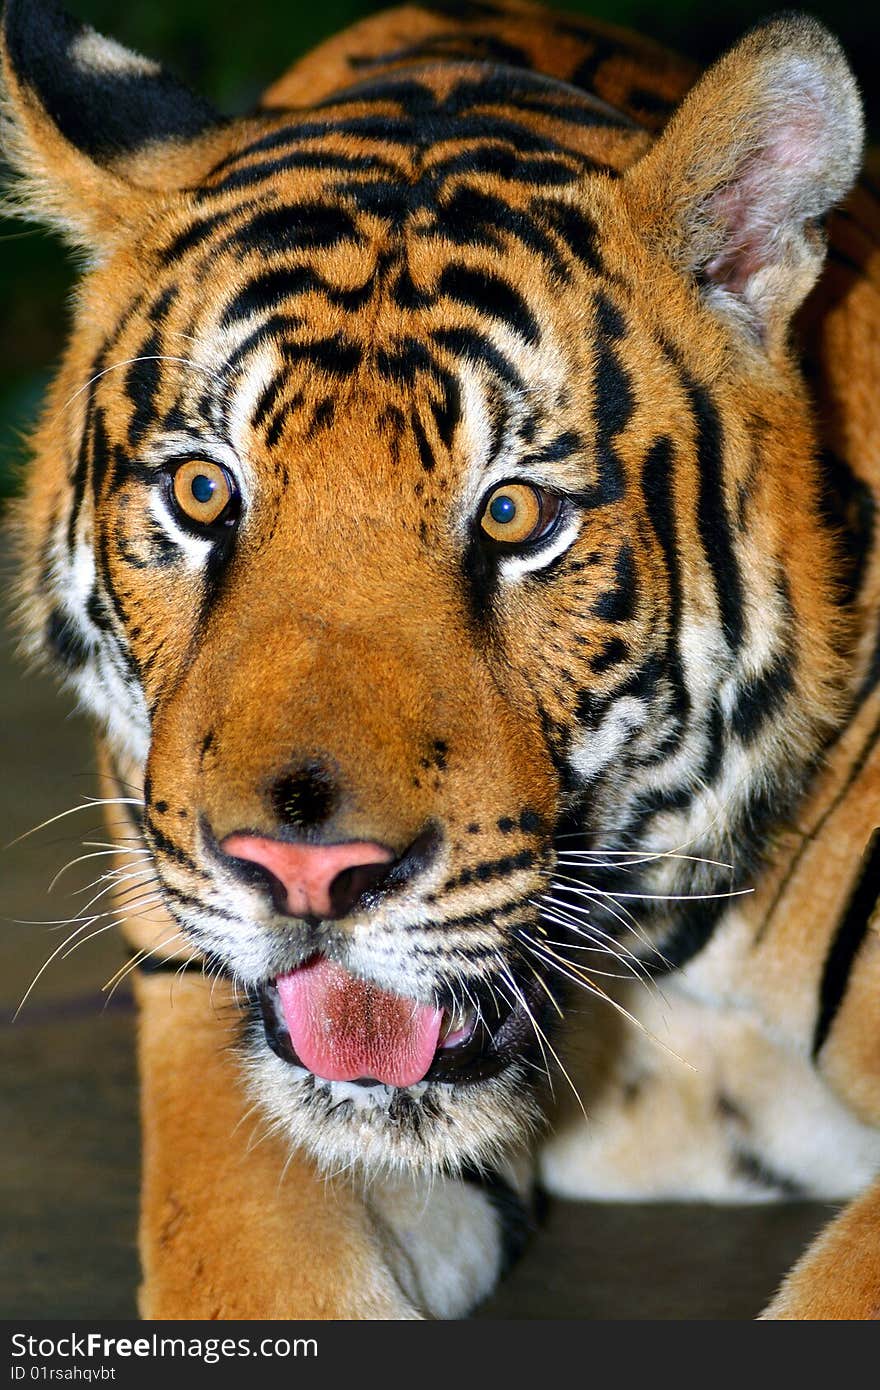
(318, 880)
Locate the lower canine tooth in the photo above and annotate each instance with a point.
(457, 1023)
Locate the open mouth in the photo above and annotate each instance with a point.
(343, 1028)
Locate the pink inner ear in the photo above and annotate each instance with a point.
(770, 194)
(747, 241)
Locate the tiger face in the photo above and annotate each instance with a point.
(424, 508)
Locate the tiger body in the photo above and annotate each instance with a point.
(451, 250)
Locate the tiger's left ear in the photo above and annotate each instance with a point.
(91, 128)
(760, 149)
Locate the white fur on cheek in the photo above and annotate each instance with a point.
(595, 749)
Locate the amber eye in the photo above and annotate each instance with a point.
(203, 491)
(518, 514)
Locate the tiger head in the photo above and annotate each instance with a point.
(426, 508)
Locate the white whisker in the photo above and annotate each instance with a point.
(98, 854)
(130, 362)
(539, 1032)
(133, 962)
(88, 805)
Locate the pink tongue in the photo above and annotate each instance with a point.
(343, 1028)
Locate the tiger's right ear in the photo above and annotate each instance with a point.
(92, 129)
(735, 188)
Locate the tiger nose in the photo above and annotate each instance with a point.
(323, 881)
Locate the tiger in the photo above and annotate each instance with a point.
(456, 506)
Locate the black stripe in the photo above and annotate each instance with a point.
(574, 228)
(658, 488)
(462, 342)
(184, 900)
(214, 574)
(484, 48)
(65, 640)
(507, 164)
(490, 295)
(392, 200)
(406, 294)
(654, 108)
(337, 356)
(758, 699)
(695, 924)
(840, 258)
(679, 797)
(142, 381)
(618, 605)
(322, 417)
(315, 226)
(84, 455)
(872, 674)
(192, 236)
(275, 325)
(161, 842)
(268, 399)
(611, 654)
(654, 803)
(446, 126)
(712, 519)
(100, 454)
(613, 404)
(288, 140)
(530, 91)
(488, 869)
(402, 362)
(263, 294)
(755, 1170)
(603, 48)
(126, 660)
(848, 508)
(250, 174)
(558, 449)
(162, 303)
(468, 217)
(609, 320)
(283, 414)
(851, 931)
(447, 412)
(426, 453)
(485, 918)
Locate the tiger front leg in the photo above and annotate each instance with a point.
(838, 1279)
(230, 1228)
(233, 1227)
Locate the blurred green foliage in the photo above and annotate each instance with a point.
(230, 52)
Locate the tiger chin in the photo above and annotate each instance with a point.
(454, 506)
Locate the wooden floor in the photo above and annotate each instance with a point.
(69, 1164)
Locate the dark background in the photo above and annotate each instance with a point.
(231, 51)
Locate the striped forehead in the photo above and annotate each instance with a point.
(474, 382)
(344, 255)
(412, 132)
(279, 355)
(342, 190)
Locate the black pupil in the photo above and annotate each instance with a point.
(203, 488)
(503, 510)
